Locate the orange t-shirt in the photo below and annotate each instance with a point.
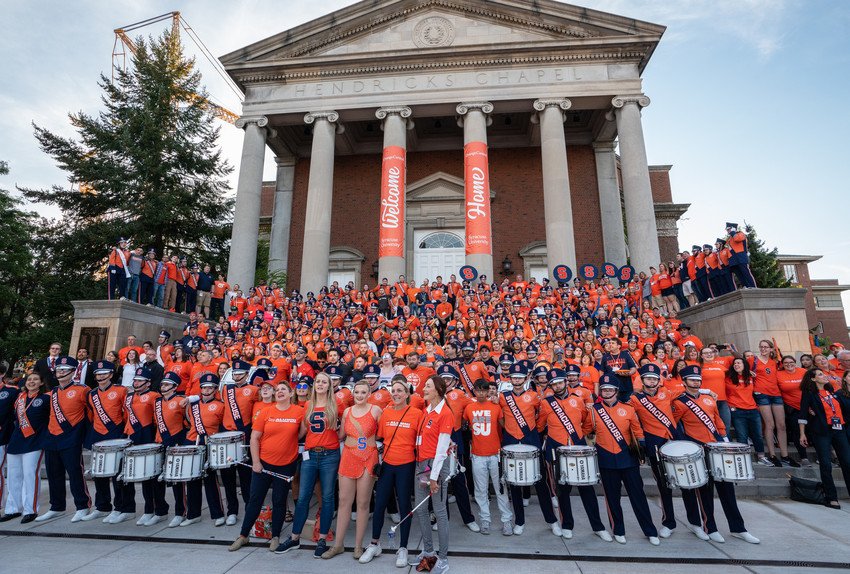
(198, 370)
(483, 419)
(434, 424)
(789, 386)
(280, 428)
(399, 445)
(258, 406)
(381, 398)
(765, 373)
(219, 289)
(319, 433)
(714, 375)
(740, 396)
(457, 401)
(418, 377)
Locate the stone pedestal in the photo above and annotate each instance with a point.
(749, 315)
(103, 326)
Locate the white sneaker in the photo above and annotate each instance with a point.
(94, 513)
(518, 528)
(112, 515)
(50, 514)
(154, 519)
(440, 567)
(370, 552)
(620, 539)
(654, 541)
(79, 515)
(219, 521)
(395, 517)
(764, 461)
(176, 521)
(401, 558)
(665, 532)
(556, 529)
(190, 521)
(231, 520)
(604, 535)
(526, 501)
(122, 516)
(566, 533)
(746, 536)
(698, 531)
(434, 527)
(474, 526)
(145, 517)
(716, 537)
(507, 530)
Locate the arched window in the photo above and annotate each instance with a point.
(441, 240)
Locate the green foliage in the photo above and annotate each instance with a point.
(763, 262)
(262, 272)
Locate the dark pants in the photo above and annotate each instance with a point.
(704, 287)
(792, 427)
(747, 423)
(400, 479)
(668, 518)
(178, 489)
(228, 481)
(717, 283)
(191, 299)
(58, 463)
(216, 308)
(544, 495)
(836, 439)
(116, 281)
(153, 492)
(146, 289)
(613, 479)
(180, 306)
(744, 275)
(458, 482)
(697, 289)
(105, 501)
(209, 484)
(680, 296)
(699, 504)
(726, 276)
(260, 484)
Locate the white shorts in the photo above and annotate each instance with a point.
(686, 288)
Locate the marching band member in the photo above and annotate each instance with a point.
(24, 451)
(618, 433)
(64, 447)
(520, 409)
(320, 462)
(274, 449)
(8, 395)
(204, 415)
(356, 468)
(433, 440)
(170, 419)
(701, 423)
(141, 429)
(567, 418)
(106, 416)
(239, 398)
(397, 429)
(654, 410)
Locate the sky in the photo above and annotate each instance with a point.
(749, 101)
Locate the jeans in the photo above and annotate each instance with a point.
(158, 295)
(260, 483)
(792, 427)
(680, 296)
(836, 439)
(324, 467)
(399, 477)
(724, 412)
(216, 308)
(438, 500)
(133, 288)
(747, 423)
(485, 469)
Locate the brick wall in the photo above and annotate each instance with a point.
(659, 181)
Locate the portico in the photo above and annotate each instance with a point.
(456, 99)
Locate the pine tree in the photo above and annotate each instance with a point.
(763, 262)
(148, 164)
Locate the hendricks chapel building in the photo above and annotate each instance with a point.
(413, 137)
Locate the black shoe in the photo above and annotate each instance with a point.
(788, 461)
(7, 517)
(28, 518)
(321, 548)
(287, 545)
(776, 462)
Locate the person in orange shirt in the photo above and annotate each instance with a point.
(131, 344)
(169, 415)
(415, 373)
(238, 398)
(204, 415)
(700, 282)
(172, 279)
(745, 413)
(618, 436)
(567, 419)
(714, 369)
(219, 293)
(64, 447)
(274, 451)
(789, 378)
(116, 271)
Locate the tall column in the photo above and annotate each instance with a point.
(637, 193)
(557, 204)
(282, 214)
(317, 220)
(610, 206)
(391, 247)
(474, 117)
(246, 219)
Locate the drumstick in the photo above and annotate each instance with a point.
(274, 474)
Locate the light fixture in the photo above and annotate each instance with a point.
(507, 266)
(375, 270)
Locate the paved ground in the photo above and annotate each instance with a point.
(795, 538)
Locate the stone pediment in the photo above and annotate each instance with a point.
(439, 186)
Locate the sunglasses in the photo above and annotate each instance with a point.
(302, 386)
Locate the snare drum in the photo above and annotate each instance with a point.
(142, 462)
(684, 464)
(184, 463)
(106, 457)
(578, 465)
(521, 464)
(225, 449)
(730, 461)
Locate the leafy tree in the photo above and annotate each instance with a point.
(763, 262)
(147, 165)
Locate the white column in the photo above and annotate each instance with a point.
(557, 204)
(317, 220)
(282, 214)
(395, 125)
(474, 117)
(637, 193)
(246, 219)
(610, 206)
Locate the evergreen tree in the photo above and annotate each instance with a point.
(148, 164)
(763, 262)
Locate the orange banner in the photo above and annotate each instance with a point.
(476, 181)
(391, 230)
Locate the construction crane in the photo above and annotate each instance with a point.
(124, 43)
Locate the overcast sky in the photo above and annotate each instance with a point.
(749, 100)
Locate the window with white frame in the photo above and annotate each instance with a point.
(791, 273)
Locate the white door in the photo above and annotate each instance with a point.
(341, 277)
(539, 272)
(437, 252)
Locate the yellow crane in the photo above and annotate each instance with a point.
(124, 43)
